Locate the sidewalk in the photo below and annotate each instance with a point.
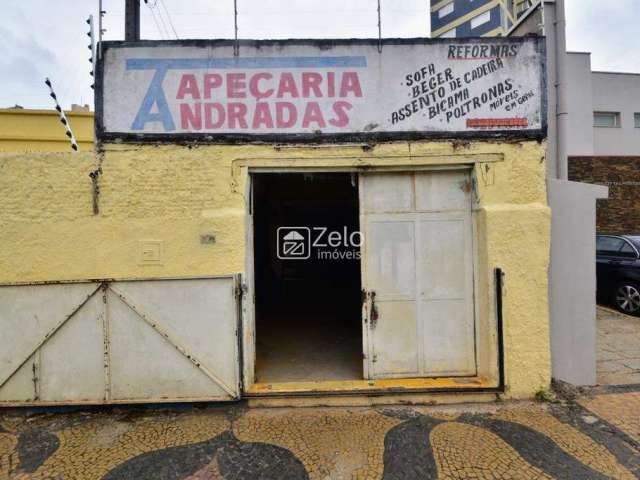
(618, 348)
(595, 437)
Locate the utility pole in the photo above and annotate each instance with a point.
(132, 20)
(562, 89)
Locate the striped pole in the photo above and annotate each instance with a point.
(63, 117)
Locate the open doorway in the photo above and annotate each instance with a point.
(307, 303)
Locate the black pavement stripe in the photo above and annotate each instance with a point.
(407, 451)
(536, 448)
(34, 447)
(236, 460)
(624, 448)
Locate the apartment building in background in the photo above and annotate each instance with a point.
(475, 18)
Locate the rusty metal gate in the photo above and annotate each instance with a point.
(120, 341)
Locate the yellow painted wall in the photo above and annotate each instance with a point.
(171, 195)
(24, 130)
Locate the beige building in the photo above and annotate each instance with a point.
(270, 227)
(27, 130)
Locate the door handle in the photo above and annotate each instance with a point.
(374, 309)
(369, 307)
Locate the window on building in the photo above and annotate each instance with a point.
(481, 19)
(446, 10)
(449, 34)
(636, 119)
(606, 119)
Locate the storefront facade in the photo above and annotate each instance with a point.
(303, 218)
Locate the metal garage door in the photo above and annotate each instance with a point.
(119, 341)
(418, 274)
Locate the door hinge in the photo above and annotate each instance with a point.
(241, 290)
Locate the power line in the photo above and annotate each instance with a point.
(166, 25)
(160, 16)
(169, 18)
(155, 20)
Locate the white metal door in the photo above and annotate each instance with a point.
(124, 341)
(418, 314)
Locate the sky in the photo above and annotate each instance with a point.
(47, 38)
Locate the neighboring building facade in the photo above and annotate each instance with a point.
(604, 140)
(147, 272)
(620, 213)
(475, 18)
(27, 130)
(603, 109)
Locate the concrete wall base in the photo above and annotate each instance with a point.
(572, 280)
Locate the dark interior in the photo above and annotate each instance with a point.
(308, 314)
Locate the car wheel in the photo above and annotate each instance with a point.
(627, 298)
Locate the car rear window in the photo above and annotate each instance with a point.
(609, 244)
(627, 248)
(635, 239)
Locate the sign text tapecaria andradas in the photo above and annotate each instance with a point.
(314, 88)
(216, 101)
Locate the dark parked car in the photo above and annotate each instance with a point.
(618, 269)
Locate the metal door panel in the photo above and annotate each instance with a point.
(72, 360)
(31, 313)
(144, 364)
(442, 190)
(446, 300)
(207, 306)
(448, 337)
(442, 257)
(113, 341)
(390, 266)
(20, 387)
(154, 355)
(395, 352)
(390, 257)
(387, 192)
(418, 314)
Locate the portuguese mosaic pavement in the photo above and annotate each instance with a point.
(594, 437)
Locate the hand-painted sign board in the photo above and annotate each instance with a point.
(321, 89)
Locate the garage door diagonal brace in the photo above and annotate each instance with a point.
(50, 334)
(153, 324)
